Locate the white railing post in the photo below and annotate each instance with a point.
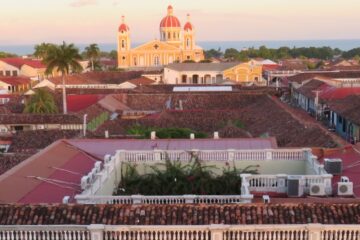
(314, 231)
(281, 182)
(157, 155)
(136, 199)
(231, 154)
(217, 231)
(96, 231)
(190, 199)
(269, 154)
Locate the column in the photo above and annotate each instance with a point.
(96, 231)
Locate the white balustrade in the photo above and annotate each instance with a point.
(278, 183)
(44, 233)
(216, 155)
(180, 199)
(180, 232)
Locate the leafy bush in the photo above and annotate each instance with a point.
(177, 178)
(164, 133)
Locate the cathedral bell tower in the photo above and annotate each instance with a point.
(124, 44)
(189, 35)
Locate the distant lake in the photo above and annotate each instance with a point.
(341, 44)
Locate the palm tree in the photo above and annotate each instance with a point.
(63, 59)
(42, 49)
(92, 52)
(41, 102)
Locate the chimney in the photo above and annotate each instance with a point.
(106, 134)
(192, 136)
(153, 135)
(216, 135)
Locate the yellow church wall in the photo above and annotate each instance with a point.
(243, 72)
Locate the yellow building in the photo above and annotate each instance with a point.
(176, 44)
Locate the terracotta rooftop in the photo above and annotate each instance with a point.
(19, 62)
(47, 176)
(329, 74)
(15, 81)
(180, 214)
(309, 88)
(347, 107)
(39, 119)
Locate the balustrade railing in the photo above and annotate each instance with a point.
(175, 199)
(44, 233)
(179, 232)
(214, 155)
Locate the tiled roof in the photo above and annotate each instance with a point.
(47, 176)
(80, 102)
(19, 62)
(347, 107)
(216, 67)
(23, 118)
(98, 78)
(15, 81)
(180, 214)
(142, 81)
(309, 88)
(329, 74)
(339, 93)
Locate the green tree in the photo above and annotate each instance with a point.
(231, 54)
(63, 59)
(92, 53)
(6, 55)
(41, 50)
(41, 102)
(113, 54)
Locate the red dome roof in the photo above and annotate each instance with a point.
(170, 20)
(188, 26)
(123, 27)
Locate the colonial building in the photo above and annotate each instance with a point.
(213, 73)
(175, 45)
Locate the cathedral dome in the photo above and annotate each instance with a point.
(123, 27)
(170, 21)
(188, 26)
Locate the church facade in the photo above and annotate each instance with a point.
(176, 45)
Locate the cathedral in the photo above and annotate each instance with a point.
(176, 44)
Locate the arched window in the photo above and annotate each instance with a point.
(174, 35)
(123, 44)
(164, 36)
(156, 61)
(135, 61)
(187, 42)
(169, 36)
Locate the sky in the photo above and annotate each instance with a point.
(96, 21)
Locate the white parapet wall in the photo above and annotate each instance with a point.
(178, 232)
(103, 181)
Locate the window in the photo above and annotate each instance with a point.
(135, 62)
(156, 61)
(1, 73)
(14, 73)
(169, 36)
(123, 44)
(188, 57)
(187, 42)
(8, 73)
(183, 78)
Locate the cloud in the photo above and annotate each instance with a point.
(83, 3)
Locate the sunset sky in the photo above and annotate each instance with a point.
(86, 21)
